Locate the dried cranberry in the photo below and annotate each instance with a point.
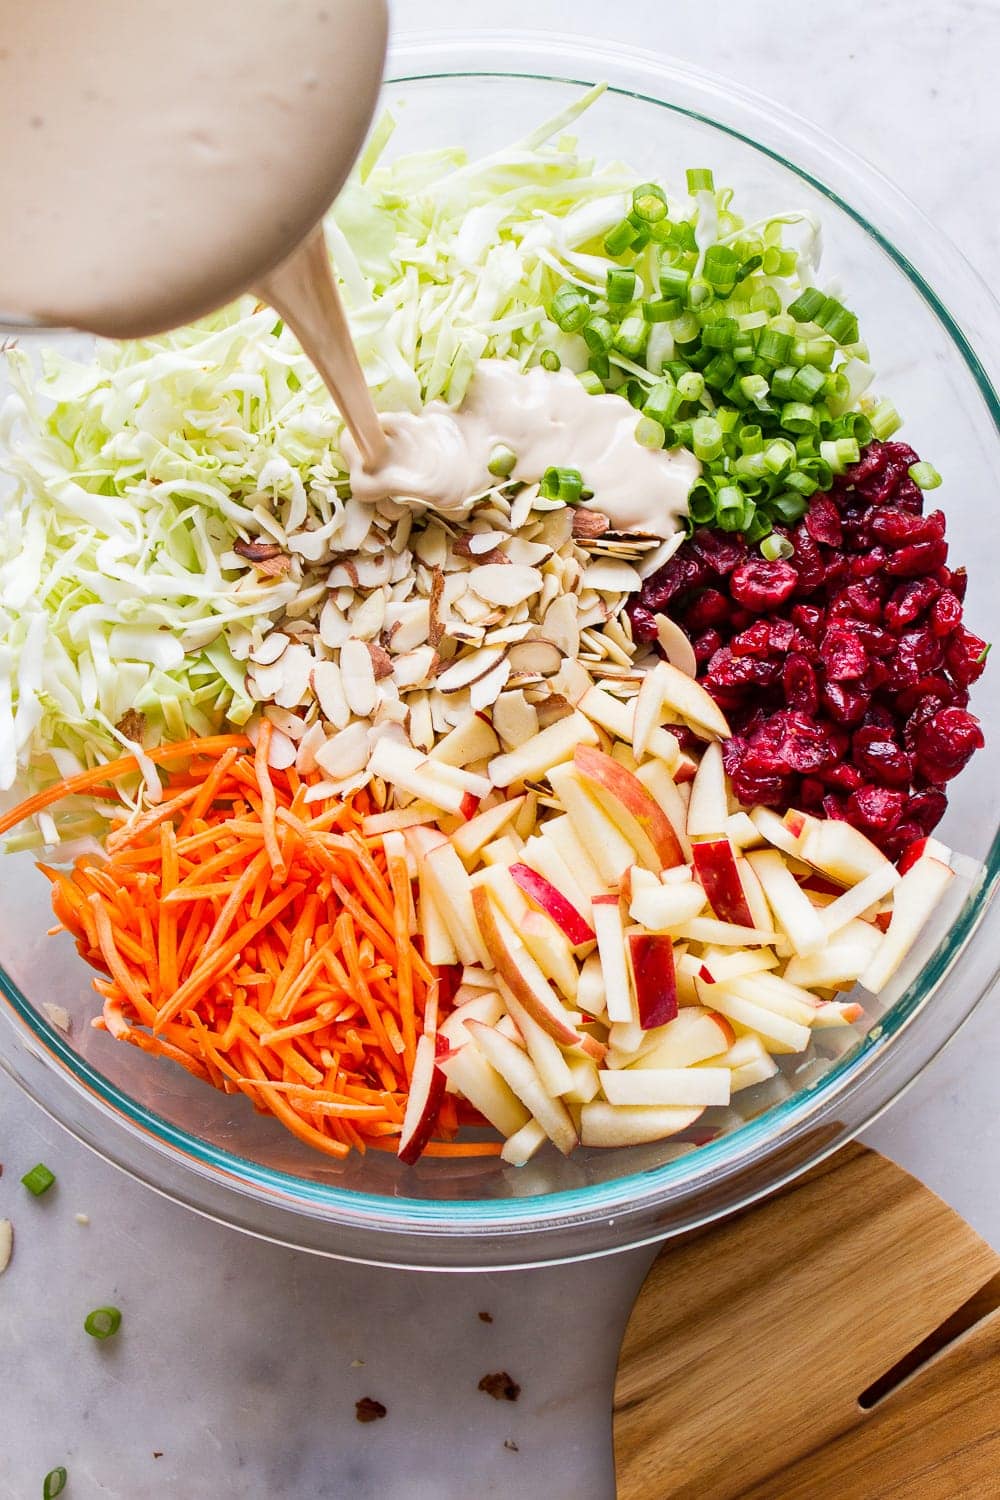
(880, 758)
(685, 737)
(927, 808)
(809, 620)
(790, 742)
(909, 496)
(946, 743)
(753, 642)
(845, 705)
(811, 792)
(901, 454)
(706, 610)
(643, 624)
(859, 601)
(798, 680)
(915, 558)
(872, 461)
(823, 521)
(896, 527)
(918, 654)
(706, 645)
(807, 562)
(869, 563)
(846, 778)
(958, 583)
(682, 571)
(833, 808)
(875, 807)
(965, 655)
(946, 613)
(843, 654)
(729, 671)
(721, 550)
(908, 602)
(760, 585)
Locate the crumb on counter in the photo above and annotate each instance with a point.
(500, 1386)
(369, 1410)
(485, 1317)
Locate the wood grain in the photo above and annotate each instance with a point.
(749, 1346)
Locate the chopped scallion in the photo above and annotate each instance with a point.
(38, 1180)
(924, 475)
(502, 461)
(561, 484)
(649, 203)
(103, 1322)
(776, 548)
(549, 360)
(54, 1483)
(570, 308)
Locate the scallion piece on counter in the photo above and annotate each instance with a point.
(561, 484)
(38, 1180)
(103, 1322)
(924, 475)
(54, 1483)
(502, 461)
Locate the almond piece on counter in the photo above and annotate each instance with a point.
(6, 1244)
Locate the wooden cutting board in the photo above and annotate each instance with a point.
(839, 1342)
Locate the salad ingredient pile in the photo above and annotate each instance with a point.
(553, 790)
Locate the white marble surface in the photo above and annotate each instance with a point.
(239, 1362)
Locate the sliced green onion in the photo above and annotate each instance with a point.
(789, 506)
(685, 329)
(502, 461)
(621, 282)
(691, 385)
(592, 384)
(801, 482)
(699, 178)
(839, 452)
(561, 484)
(729, 507)
(662, 311)
(674, 282)
(549, 360)
(721, 266)
(775, 347)
(649, 433)
(754, 388)
(720, 370)
(54, 1483)
(618, 239)
(38, 1180)
(701, 503)
(631, 336)
(706, 438)
(570, 308)
(599, 333)
(798, 416)
(758, 529)
(925, 475)
(721, 334)
(649, 203)
(984, 653)
(776, 548)
(663, 402)
(885, 420)
(806, 305)
(779, 456)
(103, 1322)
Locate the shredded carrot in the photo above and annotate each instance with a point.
(260, 941)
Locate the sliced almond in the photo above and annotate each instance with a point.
(610, 575)
(359, 677)
(368, 617)
(529, 554)
(560, 625)
(6, 1244)
(270, 648)
(407, 625)
(484, 692)
(346, 752)
(514, 719)
(509, 584)
(381, 660)
(676, 646)
(421, 727)
(469, 668)
(589, 523)
(328, 687)
(414, 668)
(313, 740)
(295, 667)
(532, 658)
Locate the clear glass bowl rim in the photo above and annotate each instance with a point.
(757, 1159)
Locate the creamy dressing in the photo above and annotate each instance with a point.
(157, 157)
(439, 457)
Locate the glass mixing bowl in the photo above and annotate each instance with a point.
(922, 309)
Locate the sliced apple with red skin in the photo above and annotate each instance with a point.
(856, 901)
(840, 851)
(792, 909)
(778, 1032)
(774, 831)
(607, 846)
(838, 1013)
(667, 688)
(667, 1086)
(782, 1001)
(553, 1068)
(522, 975)
(474, 835)
(914, 902)
(554, 904)
(614, 960)
(715, 863)
(651, 964)
(521, 1075)
(932, 848)
(631, 806)
(718, 967)
(423, 1103)
(603, 1124)
(590, 992)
